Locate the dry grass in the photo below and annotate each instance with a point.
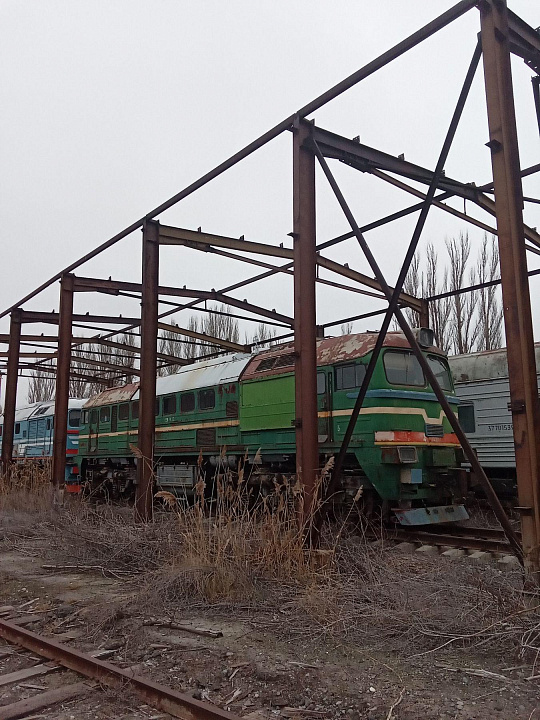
(26, 487)
(245, 554)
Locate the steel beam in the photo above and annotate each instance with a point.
(31, 316)
(524, 41)
(366, 159)
(536, 96)
(77, 376)
(513, 264)
(201, 241)
(147, 388)
(10, 401)
(116, 286)
(227, 344)
(305, 318)
(61, 398)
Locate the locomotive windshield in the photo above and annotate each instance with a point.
(74, 418)
(403, 368)
(441, 372)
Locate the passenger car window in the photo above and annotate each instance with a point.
(441, 372)
(17, 428)
(321, 383)
(105, 415)
(123, 411)
(169, 405)
(466, 417)
(75, 418)
(207, 399)
(403, 368)
(84, 418)
(349, 376)
(135, 410)
(93, 417)
(187, 402)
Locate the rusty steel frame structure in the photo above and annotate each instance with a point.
(502, 33)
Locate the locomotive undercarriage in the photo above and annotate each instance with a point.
(187, 478)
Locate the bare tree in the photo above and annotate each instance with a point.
(346, 328)
(42, 385)
(490, 314)
(439, 310)
(462, 307)
(262, 337)
(468, 321)
(414, 282)
(220, 325)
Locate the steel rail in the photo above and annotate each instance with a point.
(402, 47)
(428, 537)
(159, 696)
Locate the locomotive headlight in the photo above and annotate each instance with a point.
(425, 337)
(407, 454)
(401, 454)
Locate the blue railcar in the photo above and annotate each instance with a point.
(34, 435)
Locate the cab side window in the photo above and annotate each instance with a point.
(350, 376)
(466, 417)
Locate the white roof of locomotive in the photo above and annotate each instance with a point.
(32, 410)
(217, 371)
(485, 365)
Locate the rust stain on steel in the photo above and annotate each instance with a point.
(120, 394)
(329, 351)
(159, 696)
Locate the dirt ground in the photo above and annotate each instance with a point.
(293, 652)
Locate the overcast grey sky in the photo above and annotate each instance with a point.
(110, 107)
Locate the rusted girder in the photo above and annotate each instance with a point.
(31, 316)
(367, 159)
(228, 344)
(513, 265)
(76, 375)
(77, 341)
(305, 330)
(147, 388)
(83, 284)
(122, 369)
(200, 240)
(158, 696)
(523, 40)
(10, 401)
(61, 397)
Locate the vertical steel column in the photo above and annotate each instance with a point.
(513, 264)
(305, 320)
(10, 401)
(423, 315)
(147, 389)
(61, 397)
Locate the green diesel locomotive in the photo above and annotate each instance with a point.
(241, 408)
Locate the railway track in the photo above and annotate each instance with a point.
(93, 668)
(487, 540)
